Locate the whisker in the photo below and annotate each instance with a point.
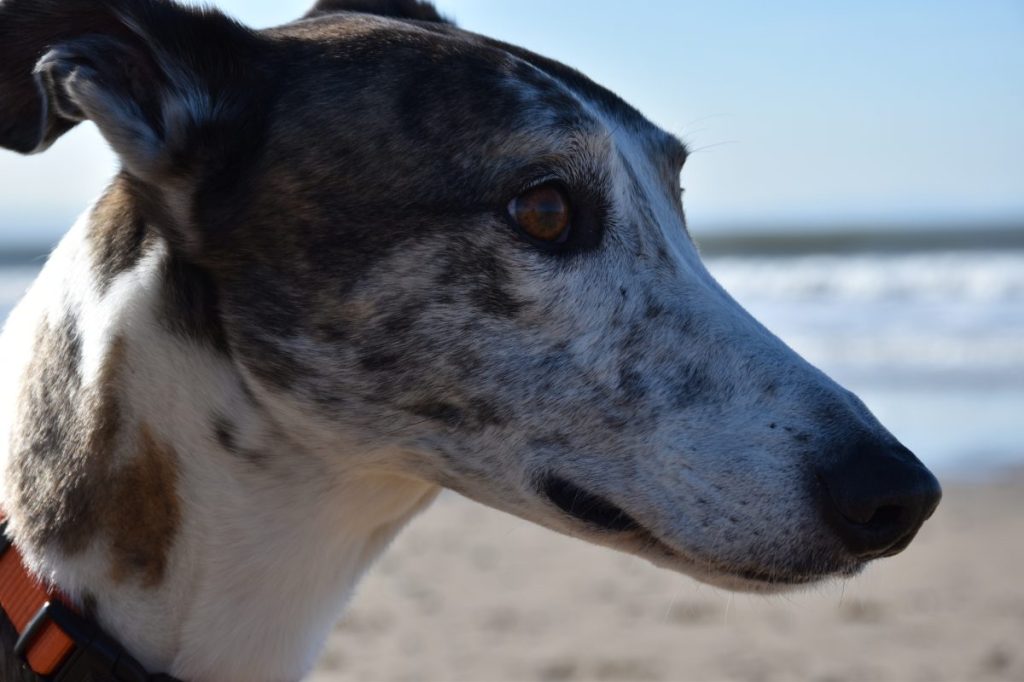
(704, 148)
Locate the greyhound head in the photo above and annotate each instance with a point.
(435, 254)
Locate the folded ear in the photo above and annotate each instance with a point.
(174, 90)
(419, 10)
(149, 73)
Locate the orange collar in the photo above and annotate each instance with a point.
(24, 600)
(54, 641)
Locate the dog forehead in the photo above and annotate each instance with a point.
(345, 61)
(503, 85)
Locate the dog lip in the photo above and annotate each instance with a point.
(643, 541)
(600, 515)
(646, 541)
(766, 578)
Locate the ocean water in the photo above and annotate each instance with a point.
(932, 342)
(14, 280)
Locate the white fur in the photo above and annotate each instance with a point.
(284, 545)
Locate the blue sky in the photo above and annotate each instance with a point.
(799, 113)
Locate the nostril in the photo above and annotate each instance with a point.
(886, 517)
(876, 499)
(870, 532)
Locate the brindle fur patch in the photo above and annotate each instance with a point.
(64, 441)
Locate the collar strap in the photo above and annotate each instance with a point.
(54, 641)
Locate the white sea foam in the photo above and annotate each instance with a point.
(981, 277)
(933, 343)
(954, 317)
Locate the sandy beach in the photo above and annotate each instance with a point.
(467, 593)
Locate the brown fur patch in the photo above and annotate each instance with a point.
(143, 511)
(64, 488)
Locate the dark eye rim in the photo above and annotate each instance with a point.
(590, 218)
(549, 245)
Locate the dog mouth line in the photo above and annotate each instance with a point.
(587, 507)
(599, 514)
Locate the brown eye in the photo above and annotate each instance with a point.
(542, 213)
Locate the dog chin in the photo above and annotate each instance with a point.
(775, 579)
(754, 581)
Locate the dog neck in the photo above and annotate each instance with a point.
(148, 479)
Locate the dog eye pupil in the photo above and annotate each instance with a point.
(542, 213)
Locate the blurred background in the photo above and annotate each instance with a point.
(857, 182)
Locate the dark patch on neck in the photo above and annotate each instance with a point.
(225, 432)
(117, 233)
(121, 233)
(586, 506)
(191, 303)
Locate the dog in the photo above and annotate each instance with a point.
(353, 260)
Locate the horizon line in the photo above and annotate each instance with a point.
(765, 239)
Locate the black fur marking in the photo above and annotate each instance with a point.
(491, 294)
(487, 414)
(586, 506)
(653, 309)
(403, 321)
(694, 384)
(191, 306)
(378, 360)
(448, 414)
(632, 386)
(477, 415)
(224, 433)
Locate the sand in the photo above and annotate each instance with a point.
(467, 593)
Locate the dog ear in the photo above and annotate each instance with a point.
(148, 73)
(418, 10)
(169, 87)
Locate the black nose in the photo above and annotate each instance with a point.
(877, 497)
